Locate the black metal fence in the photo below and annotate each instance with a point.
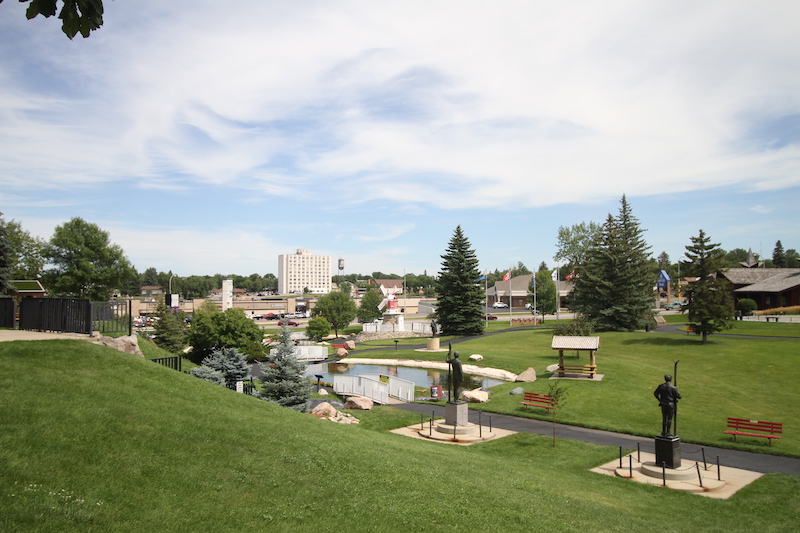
(173, 362)
(112, 317)
(68, 315)
(8, 311)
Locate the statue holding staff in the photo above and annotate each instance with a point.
(456, 374)
(667, 395)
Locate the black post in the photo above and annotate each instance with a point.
(638, 452)
(719, 473)
(699, 476)
(664, 473)
(620, 456)
(480, 426)
(675, 383)
(705, 466)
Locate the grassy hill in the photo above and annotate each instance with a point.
(96, 440)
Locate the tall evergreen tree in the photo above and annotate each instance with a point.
(5, 259)
(282, 377)
(169, 329)
(779, 259)
(460, 311)
(230, 363)
(614, 288)
(710, 308)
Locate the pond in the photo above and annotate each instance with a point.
(421, 377)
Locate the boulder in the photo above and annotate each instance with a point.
(350, 345)
(358, 402)
(322, 392)
(341, 352)
(324, 410)
(475, 396)
(127, 343)
(518, 390)
(527, 376)
(476, 357)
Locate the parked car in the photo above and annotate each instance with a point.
(674, 305)
(499, 304)
(288, 323)
(491, 317)
(271, 316)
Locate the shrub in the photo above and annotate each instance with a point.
(230, 363)
(746, 306)
(574, 328)
(209, 374)
(318, 328)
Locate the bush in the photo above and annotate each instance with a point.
(209, 374)
(746, 306)
(574, 328)
(231, 364)
(318, 328)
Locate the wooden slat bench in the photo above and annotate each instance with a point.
(754, 428)
(537, 400)
(577, 369)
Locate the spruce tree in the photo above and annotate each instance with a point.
(710, 308)
(779, 259)
(5, 259)
(282, 380)
(614, 288)
(230, 363)
(459, 311)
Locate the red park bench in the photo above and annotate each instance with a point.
(537, 400)
(754, 428)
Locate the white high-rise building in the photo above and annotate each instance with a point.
(302, 270)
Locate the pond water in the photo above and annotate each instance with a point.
(421, 377)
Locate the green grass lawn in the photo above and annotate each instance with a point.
(96, 440)
(728, 377)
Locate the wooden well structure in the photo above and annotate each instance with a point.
(578, 344)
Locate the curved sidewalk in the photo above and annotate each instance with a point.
(758, 462)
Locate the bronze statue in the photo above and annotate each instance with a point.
(667, 395)
(456, 374)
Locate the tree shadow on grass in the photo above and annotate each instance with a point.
(688, 340)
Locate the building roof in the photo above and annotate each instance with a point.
(27, 286)
(749, 276)
(787, 279)
(567, 342)
(519, 284)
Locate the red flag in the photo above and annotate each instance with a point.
(507, 276)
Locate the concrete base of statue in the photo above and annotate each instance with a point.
(668, 451)
(456, 426)
(433, 343)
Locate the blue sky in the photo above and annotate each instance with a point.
(208, 137)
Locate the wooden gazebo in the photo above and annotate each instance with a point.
(579, 344)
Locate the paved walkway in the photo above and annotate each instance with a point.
(757, 462)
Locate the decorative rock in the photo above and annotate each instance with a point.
(322, 392)
(351, 345)
(341, 352)
(518, 390)
(475, 396)
(476, 357)
(527, 376)
(127, 343)
(358, 402)
(324, 410)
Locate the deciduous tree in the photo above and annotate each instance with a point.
(368, 310)
(77, 16)
(212, 329)
(169, 329)
(459, 310)
(338, 308)
(85, 263)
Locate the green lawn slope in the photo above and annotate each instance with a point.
(96, 440)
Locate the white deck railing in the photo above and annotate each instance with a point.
(373, 388)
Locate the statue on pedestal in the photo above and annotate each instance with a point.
(456, 374)
(667, 395)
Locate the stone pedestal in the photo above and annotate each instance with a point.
(433, 343)
(668, 451)
(456, 413)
